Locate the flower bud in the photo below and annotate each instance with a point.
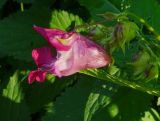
(123, 33)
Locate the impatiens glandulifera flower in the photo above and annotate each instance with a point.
(74, 53)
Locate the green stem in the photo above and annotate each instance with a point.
(149, 27)
(89, 25)
(22, 7)
(100, 74)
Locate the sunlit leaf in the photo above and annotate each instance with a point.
(151, 115)
(126, 105)
(80, 102)
(12, 102)
(62, 20)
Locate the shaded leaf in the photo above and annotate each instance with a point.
(126, 105)
(72, 104)
(98, 99)
(12, 103)
(17, 38)
(149, 12)
(98, 7)
(40, 94)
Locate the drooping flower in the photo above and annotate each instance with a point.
(74, 52)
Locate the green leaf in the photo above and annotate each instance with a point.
(98, 7)
(18, 39)
(13, 90)
(124, 32)
(148, 12)
(126, 105)
(40, 94)
(103, 75)
(72, 104)
(2, 2)
(98, 98)
(12, 103)
(151, 115)
(50, 112)
(62, 20)
(141, 63)
(93, 100)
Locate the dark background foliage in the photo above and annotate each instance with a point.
(78, 97)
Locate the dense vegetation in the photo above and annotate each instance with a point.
(126, 90)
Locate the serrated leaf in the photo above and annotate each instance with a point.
(13, 90)
(98, 99)
(12, 103)
(72, 104)
(62, 20)
(98, 7)
(103, 75)
(40, 94)
(17, 38)
(126, 105)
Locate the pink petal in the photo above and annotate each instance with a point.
(37, 75)
(52, 36)
(42, 56)
(83, 54)
(96, 58)
(96, 55)
(70, 62)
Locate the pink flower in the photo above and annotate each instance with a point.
(74, 52)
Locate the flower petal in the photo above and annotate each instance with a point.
(37, 75)
(69, 62)
(54, 37)
(83, 54)
(42, 56)
(96, 58)
(74, 53)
